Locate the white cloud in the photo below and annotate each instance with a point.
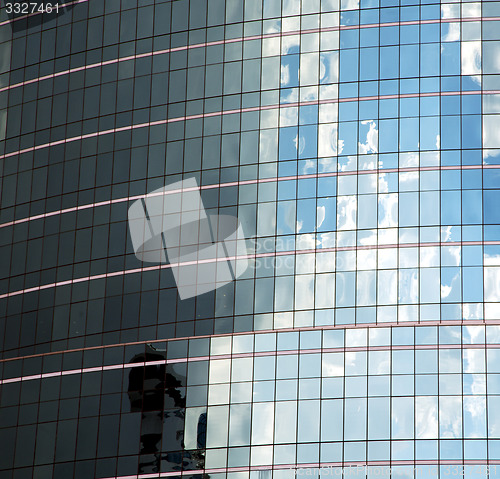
(308, 72)
(309, 165)
(453, 34)
(472, 310)
(446, 233)
(409, 180)
(491, 260)
(289, 116)
(306, 241)
(320, 215)
(290, 42)
(327, 240)
(471, 60)
(450, 10)
(350, 165)
(272, 26)
(445, 290)
(450, 416)
(388, 210)
(329, 67)
(371, 144)
(408, 286)
(491, 139)
(304, 291)
(327, 140)
(491, 103)
(471, 10)
(333, 364)
(346, 212)
(302, 144)
(350, 5)
(426, 420)
(409, 159)
(291, 7)
(492, 284)
(285, 75)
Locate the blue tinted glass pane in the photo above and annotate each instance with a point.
(491, 207)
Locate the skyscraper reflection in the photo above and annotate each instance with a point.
(158, 392)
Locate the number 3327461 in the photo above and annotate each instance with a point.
(31, 7)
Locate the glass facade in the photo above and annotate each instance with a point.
(249, 239)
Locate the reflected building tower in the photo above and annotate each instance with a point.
(158, 393)
(249, 239)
